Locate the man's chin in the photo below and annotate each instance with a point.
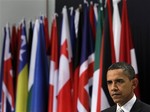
(117, 100)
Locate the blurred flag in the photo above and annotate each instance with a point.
(76, 64)
(92, 20)
(76, 20)
(46, 32)
(33, 63)
(30, 38)
(116, 28)
(2, 69)
(65, 68)
(127, 51)
(38, 75)
(72, 31)
(96, 95)
(86, 64)
(95, 8)
(14, 46)
(108, 56)
(8, 101)
(22, 80)
(53, 72)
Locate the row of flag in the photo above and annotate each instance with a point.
(48, 73)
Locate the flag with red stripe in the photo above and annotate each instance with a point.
(127, 51)
(53, 78)
(86, 64)
(96, 90)
(107, 57)
(92, 20)
(8, 101)
(65, 62)
(76, 64)
(46, 32)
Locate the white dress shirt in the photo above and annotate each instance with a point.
(127, 107)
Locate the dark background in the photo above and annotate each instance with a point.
(139, 18)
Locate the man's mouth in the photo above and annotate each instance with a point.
(115, 94)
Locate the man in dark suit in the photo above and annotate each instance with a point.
(121, 82)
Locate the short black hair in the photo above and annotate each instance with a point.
(127, 69)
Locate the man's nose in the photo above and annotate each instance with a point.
(114, 86)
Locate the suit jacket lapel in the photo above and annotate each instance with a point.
(136, 107)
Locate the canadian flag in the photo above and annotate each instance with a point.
(65, 62)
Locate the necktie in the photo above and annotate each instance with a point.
(120, 110)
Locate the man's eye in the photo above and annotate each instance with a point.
(109, 82)
(120, 81)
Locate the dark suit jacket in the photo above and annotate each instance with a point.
(138, 106)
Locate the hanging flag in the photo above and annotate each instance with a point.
(32, 63)
(107, 58)
(8, 101)
(127, 51)
(95, 105)
(38, 75)
(76, 64)
(92, 20)
(65, 69)
(30, 38)
(46, 32)
(22, 80)
(2, 68)
(116, 28)
(76, 20)
(53, 72)
(96, 12)
(72, 31)
(86, 64)
(14, 52)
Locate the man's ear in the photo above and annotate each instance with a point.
(135, 82)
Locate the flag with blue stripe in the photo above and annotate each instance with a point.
(39, 88)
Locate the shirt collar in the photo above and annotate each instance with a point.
(127, 107)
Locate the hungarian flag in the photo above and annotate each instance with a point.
(86, 64)
(65, 67)
(127, 51)
(53, 72)
(38, 75)
(22, 80)
(8, 101)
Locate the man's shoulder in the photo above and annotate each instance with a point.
(142, 103)
(139, 105)
(110, 109)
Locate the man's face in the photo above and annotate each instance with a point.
(120, 86)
